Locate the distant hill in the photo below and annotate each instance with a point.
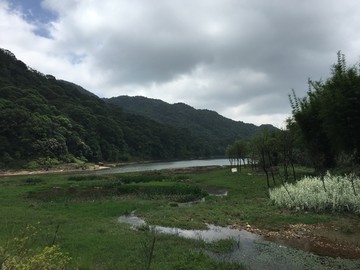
(214, 129)
(45, 120)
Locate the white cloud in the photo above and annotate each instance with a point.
(240, 58)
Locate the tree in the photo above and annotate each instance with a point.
(265, 150)
(285, 143)
(328, 118)
(237, 153)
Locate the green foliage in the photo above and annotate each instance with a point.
(174, 192)
(198, 261)
(19, 254)
(328, 119)
(32, 180)
(90, 234)
(121, 178)
(237, 153)
(221, 246)
(332, 193)
(213, 132)
(45, 118)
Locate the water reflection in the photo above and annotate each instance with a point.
(251, 249)
(213, 233)
(139, 167)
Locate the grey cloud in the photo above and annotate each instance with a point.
(237, 57)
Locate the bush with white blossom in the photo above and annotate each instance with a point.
(332, 193)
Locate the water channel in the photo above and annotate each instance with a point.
(251, 250)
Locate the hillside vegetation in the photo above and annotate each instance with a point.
(216, 130)
(44, 120)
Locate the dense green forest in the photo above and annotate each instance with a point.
(215, 130)
(44, 120)
(327, 120)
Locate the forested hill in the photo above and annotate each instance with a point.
(215, 129)
(43, 119)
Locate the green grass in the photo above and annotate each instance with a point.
(88, 227)
(221, 246)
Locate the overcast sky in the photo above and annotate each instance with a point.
(240, 58)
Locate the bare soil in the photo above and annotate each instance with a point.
(334, 239)
(59, 169)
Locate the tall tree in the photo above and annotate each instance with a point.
(329, 117)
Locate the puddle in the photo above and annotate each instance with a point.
(213, 233)
(252, 250)
(132, 220)
(202, 200)
(213, 191)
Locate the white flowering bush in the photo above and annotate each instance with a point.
(331, 193)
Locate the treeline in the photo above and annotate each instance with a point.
(46, 120)
(275, 152)
(323, 131)
(215, 130)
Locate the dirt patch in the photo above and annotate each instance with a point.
(321, 239)
(55, 170)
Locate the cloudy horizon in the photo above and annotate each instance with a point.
(240, 58)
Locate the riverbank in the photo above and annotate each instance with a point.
(298, 239)
(324, 239)
(57, 170)
(123, 167)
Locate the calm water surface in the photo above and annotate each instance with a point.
(166, 165)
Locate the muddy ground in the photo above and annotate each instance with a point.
(333, 239)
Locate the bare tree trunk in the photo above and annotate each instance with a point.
(238, 160)
(283, 184)
(265, 170)
(293, 169)
(271, 168)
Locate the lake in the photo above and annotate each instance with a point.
(150, 166)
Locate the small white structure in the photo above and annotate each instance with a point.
(233, 170)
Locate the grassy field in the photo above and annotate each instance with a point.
(79, 213)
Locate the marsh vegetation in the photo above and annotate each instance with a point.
(83, 210)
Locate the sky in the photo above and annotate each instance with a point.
(241, 58)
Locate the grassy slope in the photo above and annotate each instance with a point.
(89, 230)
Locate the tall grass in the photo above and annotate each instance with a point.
(331, 193)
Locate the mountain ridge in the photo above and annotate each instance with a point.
(201, 122)
(46, 121)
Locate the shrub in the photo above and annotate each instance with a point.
(178, 192)
(331, 193)
(90, 177)
(19, 253)
(32, 180)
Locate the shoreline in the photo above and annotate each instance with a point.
(315, 238)
(59, 170)
(90, 167)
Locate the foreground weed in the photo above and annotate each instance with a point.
(147, 249)
(19, 254)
